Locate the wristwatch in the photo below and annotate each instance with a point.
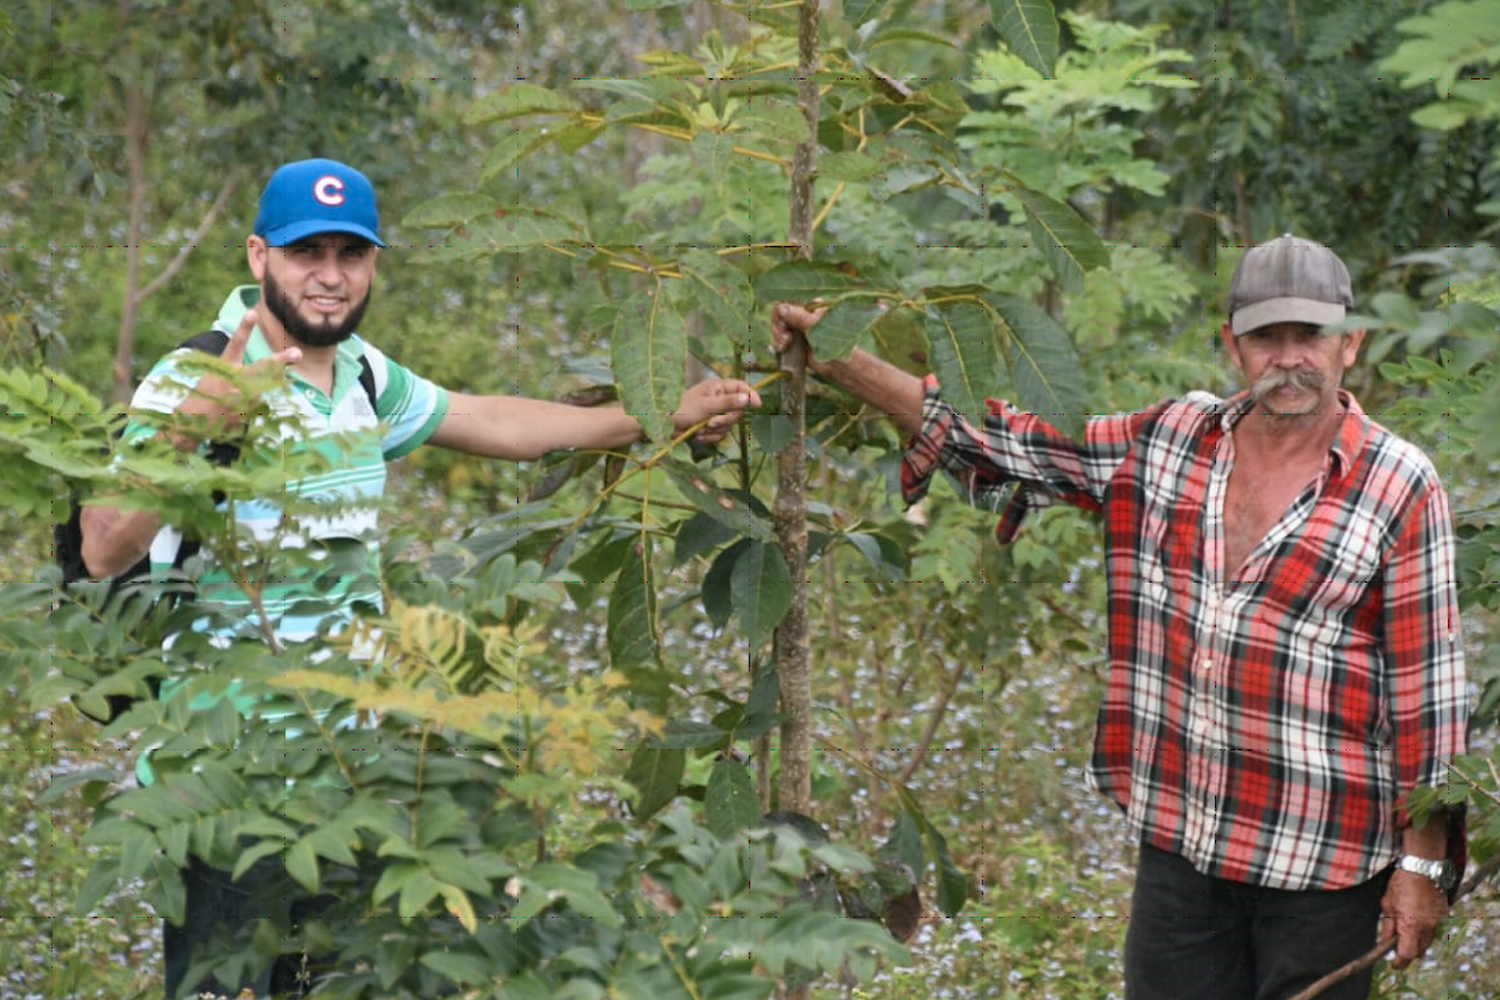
(1440, 870)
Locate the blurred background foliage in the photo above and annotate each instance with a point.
(134, 136)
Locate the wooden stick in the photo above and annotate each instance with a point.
(1481, 874)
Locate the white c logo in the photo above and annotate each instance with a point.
(329, 191)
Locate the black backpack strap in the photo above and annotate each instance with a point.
(209, 342)
(214, 341)
(367, 381)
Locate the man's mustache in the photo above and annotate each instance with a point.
(1301, 378)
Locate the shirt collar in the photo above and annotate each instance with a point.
(1346, 443)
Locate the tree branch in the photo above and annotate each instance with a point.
(170, 271)
(1481, 874)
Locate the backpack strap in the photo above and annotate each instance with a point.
(214, 341)
(209, 342)
(367, 381)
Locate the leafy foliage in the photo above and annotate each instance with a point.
(987, 199)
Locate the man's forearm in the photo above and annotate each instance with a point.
(881, 384)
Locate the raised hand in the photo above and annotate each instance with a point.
(788, 322)
(213, 394)
(719, 402)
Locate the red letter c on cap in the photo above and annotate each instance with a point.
(329, 190)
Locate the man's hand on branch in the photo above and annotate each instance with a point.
(790, 322)
(720, 402)
(1414, 909)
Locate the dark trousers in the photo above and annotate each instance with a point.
(218, 907)
(1193, 937)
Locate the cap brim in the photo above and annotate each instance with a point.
(1285, 310)
(312, 227)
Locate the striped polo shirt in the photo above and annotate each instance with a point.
(356, 438)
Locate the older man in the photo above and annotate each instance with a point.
(1285, 662)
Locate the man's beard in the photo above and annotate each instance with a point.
(1272, 381)
(321, 334)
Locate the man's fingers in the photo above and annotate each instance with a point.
(790, 321)
(234, 351)
(290, 356)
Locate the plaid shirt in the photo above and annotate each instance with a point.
(1265, 722)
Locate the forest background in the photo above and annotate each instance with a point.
(1034, 201)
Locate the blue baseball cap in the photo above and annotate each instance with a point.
(309, 197)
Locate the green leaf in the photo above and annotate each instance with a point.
(513, 147)
(686, 734)
(448, 211)
(803, 281)
(781, 121)
(729, 509)
(717, 590)
(1442, 116)
(464, 969)
(393, 879)
(516, 100)
(761, 708)
(699, 534)
(1029, 29)
(656, 773)
(725, 984)
(721, 292)
(417, 892)
(1044, 366)
(631, 625)
(761, 587)
(857, 12)
(332, 841)
(953, 884)
(848, 166)
(670, 63)
(649, 354)
(844, 327)
(302, 864)
(964, 355)
(1068, 243)
(904, 845)
(578, 886)
(246, 858)
(68, 781)
(509, 229)
(101, 881)
(729, 802)
(772, 432)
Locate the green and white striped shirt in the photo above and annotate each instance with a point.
(357, 441)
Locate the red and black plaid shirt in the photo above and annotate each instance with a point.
(1267, 728)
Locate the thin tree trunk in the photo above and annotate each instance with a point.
(790, 646)
(791, 640)
(136, 123)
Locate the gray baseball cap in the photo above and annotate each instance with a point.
(1288, 280)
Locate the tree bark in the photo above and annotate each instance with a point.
(136, 124)
(790, 646)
